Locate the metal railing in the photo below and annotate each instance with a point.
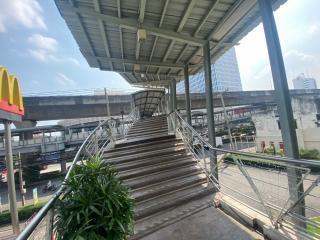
(129, 121)
(98, 141)
(259, 181)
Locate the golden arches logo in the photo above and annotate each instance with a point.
(10, 93)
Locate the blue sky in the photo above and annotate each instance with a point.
(37, 46)
(298, 23)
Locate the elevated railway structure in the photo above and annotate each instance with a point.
(157, 43)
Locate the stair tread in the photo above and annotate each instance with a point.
(154, 168)
(156, 221)
(142, 149)
(146, 138)
(149, 179)
(133, 145)
(145, 154)
(176, 198)
(146, 158)
(149, 161)
(167, 186)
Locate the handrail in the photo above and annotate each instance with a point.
(44, 210)
(306, 162)
(265, 192)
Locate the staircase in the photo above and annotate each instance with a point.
(165, 181)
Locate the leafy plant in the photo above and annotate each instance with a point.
(310, 154)
(270, 150)
(23, 212)
(96, 206)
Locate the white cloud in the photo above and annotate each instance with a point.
(64, 81)
(27, 13)
(44, 43)
(35, 82)
(296, 55)
(313, 28)
(39, 55)
(45, 49)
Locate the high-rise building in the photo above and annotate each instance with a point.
(302, 82)
(225, 76)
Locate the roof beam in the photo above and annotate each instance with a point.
(205, 17)
(96, 5)
(120, 32)
(221, 22)
(202, 22)
(238, 10)
(142, 9)
(183, 21)
(163, 76)
(186, 15)
(132, 24)
(164, 10)
(153, 83)
(84, 33)
(130, 61)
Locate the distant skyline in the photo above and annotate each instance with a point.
(38, 47)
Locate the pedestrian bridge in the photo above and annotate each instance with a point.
(184, 188)
(157, 43)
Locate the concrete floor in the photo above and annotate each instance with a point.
(210, 223)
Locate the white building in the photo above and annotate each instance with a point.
(307, 120)
(302, 82)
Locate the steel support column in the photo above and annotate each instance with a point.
(10, 179)
(187, 94)
(283, 100)
(209, 103)
(170, 98)
(174, 95)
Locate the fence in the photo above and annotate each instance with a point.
(98, 141)
(284, 190)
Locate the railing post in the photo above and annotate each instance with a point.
(209, 103)
(174, 103)
(283, 100)
(187, 94)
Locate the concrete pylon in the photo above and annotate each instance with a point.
(27, 135)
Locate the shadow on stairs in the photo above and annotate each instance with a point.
(173, 199)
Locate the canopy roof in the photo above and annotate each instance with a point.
(106, 32)
(147, 101)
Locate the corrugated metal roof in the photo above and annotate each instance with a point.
(106, 32)
(147, 101)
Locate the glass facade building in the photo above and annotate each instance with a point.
(225, 76)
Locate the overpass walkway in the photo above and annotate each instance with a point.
(173, 197)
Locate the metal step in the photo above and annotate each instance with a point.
(144, 144)
(149, 161)
(148, 154)
(161, 176)
(144, 140)
(171, 200)
(145, 132)
(145, 194)
(143, 149)
(155, 168)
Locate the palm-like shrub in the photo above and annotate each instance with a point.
(96, 206)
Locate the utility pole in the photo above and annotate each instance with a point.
(227, 121)
(22, 189)
(107, 102)
(10, 179)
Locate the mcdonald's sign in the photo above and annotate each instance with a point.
(11, 101)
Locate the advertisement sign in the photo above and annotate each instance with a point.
(35, 196)
(11, 101)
